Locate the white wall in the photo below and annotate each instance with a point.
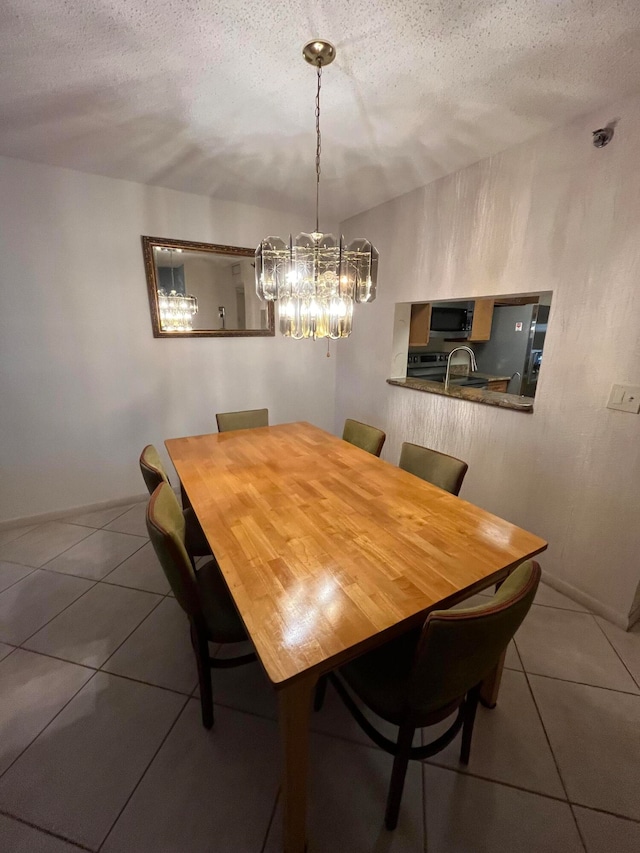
(552, 214)
(83, 383)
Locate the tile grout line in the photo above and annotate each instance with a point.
(430, 761)
(85, 527)
(312, 731)
(135, 588)
(30, 529)
(82, 594)
(633, 678)
(24, 577)
(94, 669)
(56, 657)
(34, 739)
(66, 574)
(271, 819)
(102, 527)
(518, 655)
(146, 683)
(143, 774)
(555, 760)
(581, 683)
(552, 606)
(188, 696)
(425, 841)
(67, 520)
(163, 597)
(132, 632)
(575, 820)
(64, 550)
(504, 784)
(633, 820)
(525, 790)
(98, 580)
(94, 584)
(45, 831)
(342, 738)
(566, 609)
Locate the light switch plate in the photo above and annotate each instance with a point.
(625, 398)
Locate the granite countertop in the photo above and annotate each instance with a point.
(476, 395)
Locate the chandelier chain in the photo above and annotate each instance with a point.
(318, 145)
(316, 278)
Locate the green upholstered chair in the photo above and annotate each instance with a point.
(248, 419)
(437, 468)
(203, 595)
(427, 674)
(154, 473)
(362, 435)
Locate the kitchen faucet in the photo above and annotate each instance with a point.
(473, 366)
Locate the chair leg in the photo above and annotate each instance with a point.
(400, 763)
(201, 648)
(470, 708)
(321, 689)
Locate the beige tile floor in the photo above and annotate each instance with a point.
(102, 749)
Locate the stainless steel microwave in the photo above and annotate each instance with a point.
(450, 319)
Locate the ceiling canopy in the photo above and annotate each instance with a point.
(213, 97)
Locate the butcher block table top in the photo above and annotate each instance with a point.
(324, 547)
(328, 551)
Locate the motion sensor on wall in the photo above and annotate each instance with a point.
(604, 135)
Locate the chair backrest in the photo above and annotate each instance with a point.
(152, 468)
(362, 435)
(437, 468)
(459, 648)
(247, 419)
(166, 527)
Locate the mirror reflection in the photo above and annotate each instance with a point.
(201, 289)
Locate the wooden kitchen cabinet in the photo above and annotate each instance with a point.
(482, 319)
(420, 323)
(498, 385)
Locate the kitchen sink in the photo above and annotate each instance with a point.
(467, 381)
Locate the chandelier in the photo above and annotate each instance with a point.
(316, 278)
(176, 309)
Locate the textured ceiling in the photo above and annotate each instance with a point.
(213, 96)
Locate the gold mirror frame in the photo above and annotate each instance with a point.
(148, 244)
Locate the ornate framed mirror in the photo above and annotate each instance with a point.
(203, 290)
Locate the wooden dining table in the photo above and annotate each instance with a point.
(329, 552)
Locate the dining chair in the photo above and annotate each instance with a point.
(154, 473)
(203, 595)
(437, 468)
(427, 674)
(247, 419)
(364, 436)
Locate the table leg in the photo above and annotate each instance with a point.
(491, 685)
(294, 711)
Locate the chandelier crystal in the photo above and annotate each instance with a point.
(176, 308)
(316, 278)
(176, 311)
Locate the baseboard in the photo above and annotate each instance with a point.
(624, 622)
(608, 613)
(634, 617)
(42, 517)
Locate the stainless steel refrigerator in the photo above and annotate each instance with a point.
(515, 348)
